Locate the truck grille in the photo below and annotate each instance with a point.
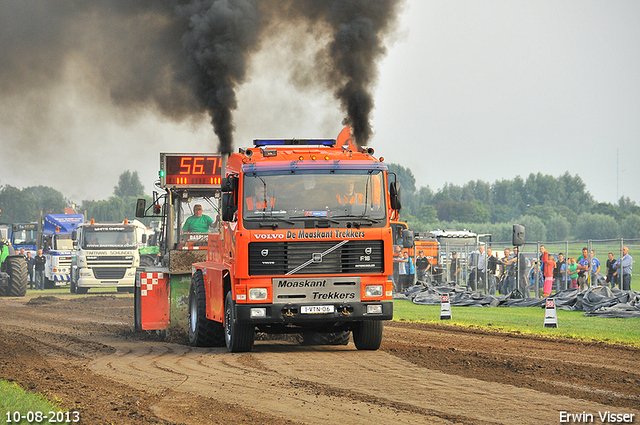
(105, 273)
(278, 258)
(118, 261)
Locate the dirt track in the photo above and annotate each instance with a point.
(82, 351)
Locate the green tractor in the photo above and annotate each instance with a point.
(13, 272)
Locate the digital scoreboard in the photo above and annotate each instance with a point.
(183, 170)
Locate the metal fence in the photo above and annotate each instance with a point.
(527, 276)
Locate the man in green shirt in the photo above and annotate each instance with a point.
(198, 222)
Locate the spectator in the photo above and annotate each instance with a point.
(558, 272)
(39, 263)
(480, 262)
(508, 263)
(422, 266)
(624, 266)
(583, 269)
(403, 271)
(595, 268)
(454, 268)
(492, 263)
(411, 271)
(572, 270)
(611, 271)
(30, 263)
(549, 265)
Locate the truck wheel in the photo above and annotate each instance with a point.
(238, 337)
(332, 338)
(368, 335)
(203, 332)
(18, 277)
(146, 261)
(137, 319)
(72, 283)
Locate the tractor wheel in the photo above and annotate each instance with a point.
(73, 286)
(146, 261)
(18, 276)
(238, 337)
(203, 332)
(368, 335)
(319, 338)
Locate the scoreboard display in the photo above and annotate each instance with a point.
(180, 170)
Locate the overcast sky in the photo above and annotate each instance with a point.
(468, 90)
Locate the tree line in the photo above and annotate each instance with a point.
(551, 208)
(24, 205)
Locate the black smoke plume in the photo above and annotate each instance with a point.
(181, 58)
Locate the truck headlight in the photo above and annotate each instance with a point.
(257, 293)
(372, 291)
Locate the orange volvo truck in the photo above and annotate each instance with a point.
(302, 245)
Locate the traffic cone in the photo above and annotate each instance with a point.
(550, 314)
(445, 308)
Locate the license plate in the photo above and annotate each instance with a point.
(316, 309)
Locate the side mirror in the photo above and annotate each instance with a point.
(229, 206)
(394, 193)
(74, 235)
(518, 235)
(407, 238)
(229, 184)
(144, 238)
(141, 206)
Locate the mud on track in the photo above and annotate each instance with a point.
(81, 350)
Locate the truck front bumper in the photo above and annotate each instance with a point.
(292, 313)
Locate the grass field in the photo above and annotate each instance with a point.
(526, 320)
(14, 399)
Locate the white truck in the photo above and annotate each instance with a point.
(105, 255)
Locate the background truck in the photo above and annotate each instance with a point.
(105, 255)
(57, 247)
(25, 235)
(296, 250)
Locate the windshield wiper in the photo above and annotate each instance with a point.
(273, 218)
(319, 218)
(359, 217)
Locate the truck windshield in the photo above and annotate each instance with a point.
(25, 237)
(109, 238)
(63, 242)
(314, 194)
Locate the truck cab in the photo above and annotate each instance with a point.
(105, 255)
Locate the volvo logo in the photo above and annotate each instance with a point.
(316, 257)
(368, 250)
(264, 252)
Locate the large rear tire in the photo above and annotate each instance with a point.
(18, 276)
(238, 337)
(203, 332)
(368, 336)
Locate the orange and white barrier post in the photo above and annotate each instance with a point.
(550, 314)
(445, 308)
